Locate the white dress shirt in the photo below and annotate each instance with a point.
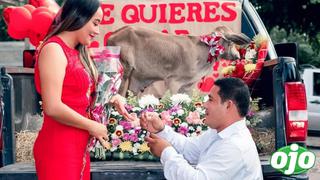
(229, 154)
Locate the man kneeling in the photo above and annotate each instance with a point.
(225, 151)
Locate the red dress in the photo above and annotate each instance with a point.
(60, 151)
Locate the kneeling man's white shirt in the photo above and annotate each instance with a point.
(229, 154)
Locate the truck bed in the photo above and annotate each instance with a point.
(110, 170)
(117, 170)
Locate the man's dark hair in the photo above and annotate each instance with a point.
(236, 90)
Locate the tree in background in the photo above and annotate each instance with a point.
(306, 54)
(293, 21)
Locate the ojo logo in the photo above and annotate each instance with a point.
(293, 159)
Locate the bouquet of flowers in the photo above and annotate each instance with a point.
(248, 67)
(126, 139)
(251, 61)
(110, 72)
(109, 78)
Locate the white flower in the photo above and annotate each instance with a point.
(180, 112)
(191, 128)
(148, 100)
(135, 148)
(194, 134)
(114, 136)
(136, 145)
(113, 149)
(184, 124)
(135, 109)
(131, 131)
(250, 54)
(119, 127)
(201, 111)
(115, 113)
(199, 128)
(180, 98)
(205, 98)
(248, 123)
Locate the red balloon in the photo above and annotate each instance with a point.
(29, 7)
(35, 38)
(206, 84)
(20, 19)
(35, 3)
(6, 14)
(51, 4)
(16, 34)
(41, 22)
(41, 9)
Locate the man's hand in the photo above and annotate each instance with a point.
(151, 122)
(118, 103)
(156, 144)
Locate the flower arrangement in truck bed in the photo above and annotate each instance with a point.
(183, 113)
(126, 139)
(248, 67)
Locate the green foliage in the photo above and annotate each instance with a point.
(299, 23)
(315, 1)
(3, 27)
(306, 54)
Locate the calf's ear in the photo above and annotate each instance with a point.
(239, 39)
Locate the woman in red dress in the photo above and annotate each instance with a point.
(65, 76)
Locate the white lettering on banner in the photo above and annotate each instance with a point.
(188, 17)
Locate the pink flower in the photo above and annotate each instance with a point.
(100, 78)
(137, 130)
(183, 130)
(126, 137)
(165, 117)
(115, 142)
(97, 112)
(134, 138)
(126, 125)
(194, 118)
(128, 107)
(250, 113)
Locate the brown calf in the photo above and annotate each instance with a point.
(175, 63)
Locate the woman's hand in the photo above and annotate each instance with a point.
(118, 103)
(100, 132)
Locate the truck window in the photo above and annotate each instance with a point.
(316, 84)
(246, 26)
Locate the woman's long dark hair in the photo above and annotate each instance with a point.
(73, 15)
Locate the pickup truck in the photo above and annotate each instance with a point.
(311, 79)
(279, 85)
